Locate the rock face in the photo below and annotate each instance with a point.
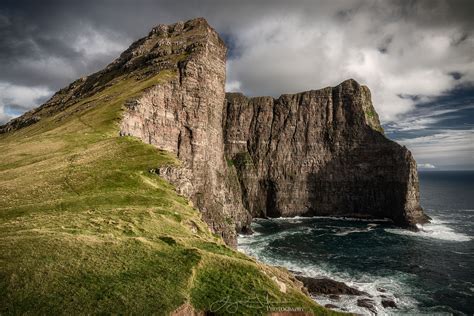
(185, 116)
(368, 304)
(320, 153)
(313, 153)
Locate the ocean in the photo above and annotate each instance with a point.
(426, 272)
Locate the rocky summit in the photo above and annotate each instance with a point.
(320, 152)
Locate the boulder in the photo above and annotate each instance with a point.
(368, 304)
(325, 286)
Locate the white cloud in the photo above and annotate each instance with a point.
(233, 86)
(3, 117)
(426, 166)
(50, 65)
(426, 118)
(448, 148)
(289, 53)
(92, 43)
(23, 98)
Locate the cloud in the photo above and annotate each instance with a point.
(448, 148)
(55, 47)
(426, 166)
(92, 44)
(3, 117)
(400, 61)
(233, 86)
(427, 118)
(409, 53)
(15, 100)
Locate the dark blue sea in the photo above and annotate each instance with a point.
(427, 272)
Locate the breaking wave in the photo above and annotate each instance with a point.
(376, 258)
(437, 229)
(378, 288)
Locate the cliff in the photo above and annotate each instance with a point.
(184, 116)
(313, 153)
(88, 227)
(319, 153)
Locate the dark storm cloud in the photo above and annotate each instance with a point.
(410, 53)
(32, 31)
(38, 45)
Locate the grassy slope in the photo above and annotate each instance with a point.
(85, 228)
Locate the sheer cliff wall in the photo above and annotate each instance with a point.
(185, 116)
(319, 152)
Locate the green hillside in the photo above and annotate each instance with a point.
(85, 228)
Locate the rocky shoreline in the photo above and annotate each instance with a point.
(327, 289)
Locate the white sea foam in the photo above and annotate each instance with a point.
(335, 218)
(397, 286)
(463, 253)
(351, 231)
(356, 230)
(286, 219)
(248, 236)
(437, 229)
(355, 219)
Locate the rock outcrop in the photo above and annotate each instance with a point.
(319, 153)
(313, 153)
(325, 286)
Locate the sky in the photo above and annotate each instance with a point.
(417, 57)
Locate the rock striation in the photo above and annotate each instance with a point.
(319, 152)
